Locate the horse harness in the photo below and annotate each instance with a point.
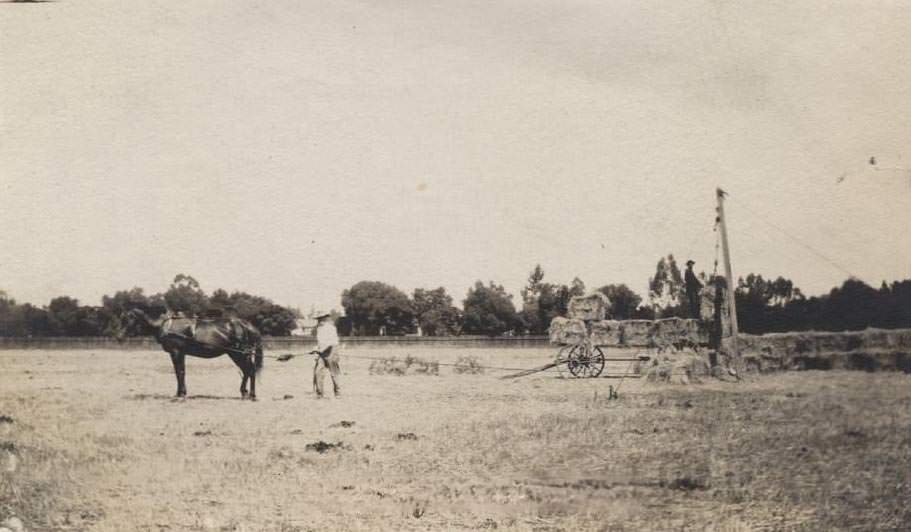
(250, 351)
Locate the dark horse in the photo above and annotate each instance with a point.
(205, 338)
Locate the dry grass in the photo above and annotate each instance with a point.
(102, 446)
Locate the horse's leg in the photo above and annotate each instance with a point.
(247, 369)
(252, 378)
(177, 358)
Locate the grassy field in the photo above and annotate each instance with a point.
(95, 441)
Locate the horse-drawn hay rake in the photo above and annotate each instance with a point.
(583, 360)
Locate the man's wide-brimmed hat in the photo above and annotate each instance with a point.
(690, 262)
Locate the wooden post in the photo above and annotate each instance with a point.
(728, 273)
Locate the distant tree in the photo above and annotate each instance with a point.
(898, 308)
(124, 300)
(269, 318)
(371, 305)
(63, 315)
(542, 302)
(435, 312)
(576, 288)
(782, 291)
(624, 303)
(762, 305)
(531, 295)
(667, 292)
(552, 302)
(275, 320)
(185, 295)
(489, 310)
(67, 318)
(220, 299)
(533, 286)
(853, 306)
(22, 320)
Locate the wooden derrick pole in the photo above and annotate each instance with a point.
(731, 286)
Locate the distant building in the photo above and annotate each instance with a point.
(305, 327)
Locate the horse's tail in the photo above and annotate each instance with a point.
(258, 357)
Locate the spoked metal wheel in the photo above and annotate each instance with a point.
(585, 361)
(564, 358)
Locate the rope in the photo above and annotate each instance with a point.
(717, 245)
(289, 356)
(795, 239)
(285, 358)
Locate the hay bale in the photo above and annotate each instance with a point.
(14, 524)
(565, 331)
(678, 368)
(591, 307)
(669, 331)
(639, 333)
(676, 330)
(879, 339)
(607, 333)
(902, 338)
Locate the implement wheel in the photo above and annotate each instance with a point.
(563, 361)
(585, 361)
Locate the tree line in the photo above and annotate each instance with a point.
(374, 308)
(763, 305)
(64, 316)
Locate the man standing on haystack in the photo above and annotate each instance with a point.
(693, 288)
(327, 355)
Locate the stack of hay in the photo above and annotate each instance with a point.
(566, 331)
(679, 368)
(582, 309)
(591, 307)
(586, 320)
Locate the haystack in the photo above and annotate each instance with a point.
(639, 332)
(591, 307)
(565, 331)
(607, 333)
(674, 330)
(677, 368)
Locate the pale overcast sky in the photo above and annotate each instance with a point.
(291, 149)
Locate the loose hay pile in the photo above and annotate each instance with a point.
(410, 365)
(468, 365)
(323, 447)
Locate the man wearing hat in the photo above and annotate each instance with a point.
(693, 287)
(327, 354)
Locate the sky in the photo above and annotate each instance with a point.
(291, 149)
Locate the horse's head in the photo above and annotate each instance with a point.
(125, 322)
(132, 321)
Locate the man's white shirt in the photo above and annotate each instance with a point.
(326, 336)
